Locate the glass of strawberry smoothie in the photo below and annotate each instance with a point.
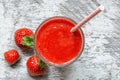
(55, 44)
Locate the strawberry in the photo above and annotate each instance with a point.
(24, 38)
(35, 66)
(11, 56)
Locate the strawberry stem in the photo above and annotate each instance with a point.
(28, 41)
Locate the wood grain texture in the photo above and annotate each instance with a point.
(100, 59)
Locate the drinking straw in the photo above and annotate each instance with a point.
(89, 17)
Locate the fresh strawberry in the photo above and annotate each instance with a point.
(11, 56)
(24, 38)
(35, 66)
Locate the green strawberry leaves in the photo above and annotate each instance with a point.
(28, 41)
(42, 64)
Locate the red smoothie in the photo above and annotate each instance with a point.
(56, 44)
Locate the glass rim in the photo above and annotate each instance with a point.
(68, 62)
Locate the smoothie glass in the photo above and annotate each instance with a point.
(55, 44)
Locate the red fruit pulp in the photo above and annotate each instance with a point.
(55, 43)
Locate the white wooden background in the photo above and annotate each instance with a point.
(101, 56)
